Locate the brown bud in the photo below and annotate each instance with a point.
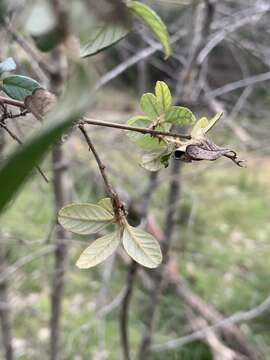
(40, 102)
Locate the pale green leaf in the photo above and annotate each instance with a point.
(152, 20)
(153, 161)
(84, 219)
(99, 250)
(199, 127)
(213, 121)
(7, 65)
(103, 37)
(18, 87)
(46, 33)
(149, 106)
(145, 141)
(163, 95)
(41, 19)
(179, 115)
(20, 163)
(106, 203)
(141, 247)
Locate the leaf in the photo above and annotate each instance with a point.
(199, 127)
(153, 22)
(106, 203)
(163, 95)
(103, 37)
(84, 219)
(18, 87)
(141, 247)
(149, 106)
(18, 166)
(46, 33)
(154, 160)
(99, 250)
(7, 65)
(41, 19)
(212, 122)
(145, 141)
(179, 115)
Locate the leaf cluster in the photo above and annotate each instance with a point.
(86, 219)
(160, 114)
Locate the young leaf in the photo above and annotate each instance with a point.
(106, 203)
(141, 247)
(212, 122)
(154, 160)
(7, 65)
(84, 219)
(103, 37)
(149, 105)
(99, 250)
(164, 97)
(153, 22)
(199, 127)
(18, 166)
(145, 141)
(179, 115)
(45, 33)
(18, 87)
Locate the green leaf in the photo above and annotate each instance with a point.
(141, 247)
(149, 105)
(154, 160)
(18, 166)
(7, 65)
(84, 219)
(106, 203)
(145, 141)
(200, 126)
(212, 122)
(99, 250)
(103, 37)
(179, 115)
(153, 22)
(18, 87)
(45, 33)
(163, 95)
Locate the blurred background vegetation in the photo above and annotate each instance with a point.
(221, 235)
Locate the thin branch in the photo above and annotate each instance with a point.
(43, 69)
(88, 121)
(15, 137)
(118, 206)
(236, 318)
(108, 186)
(8, 101)
(252, 80)
(156, 291)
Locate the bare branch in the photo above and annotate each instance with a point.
(87, 121)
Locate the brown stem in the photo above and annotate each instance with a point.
(125, 309)
(118, 206)
(8, 101)
(132, 271)
(15, 137)
(87, 121)
(158, 275)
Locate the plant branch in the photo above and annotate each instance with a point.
(88, 121)
(8, 101)
(15, 137)
(118, 206)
